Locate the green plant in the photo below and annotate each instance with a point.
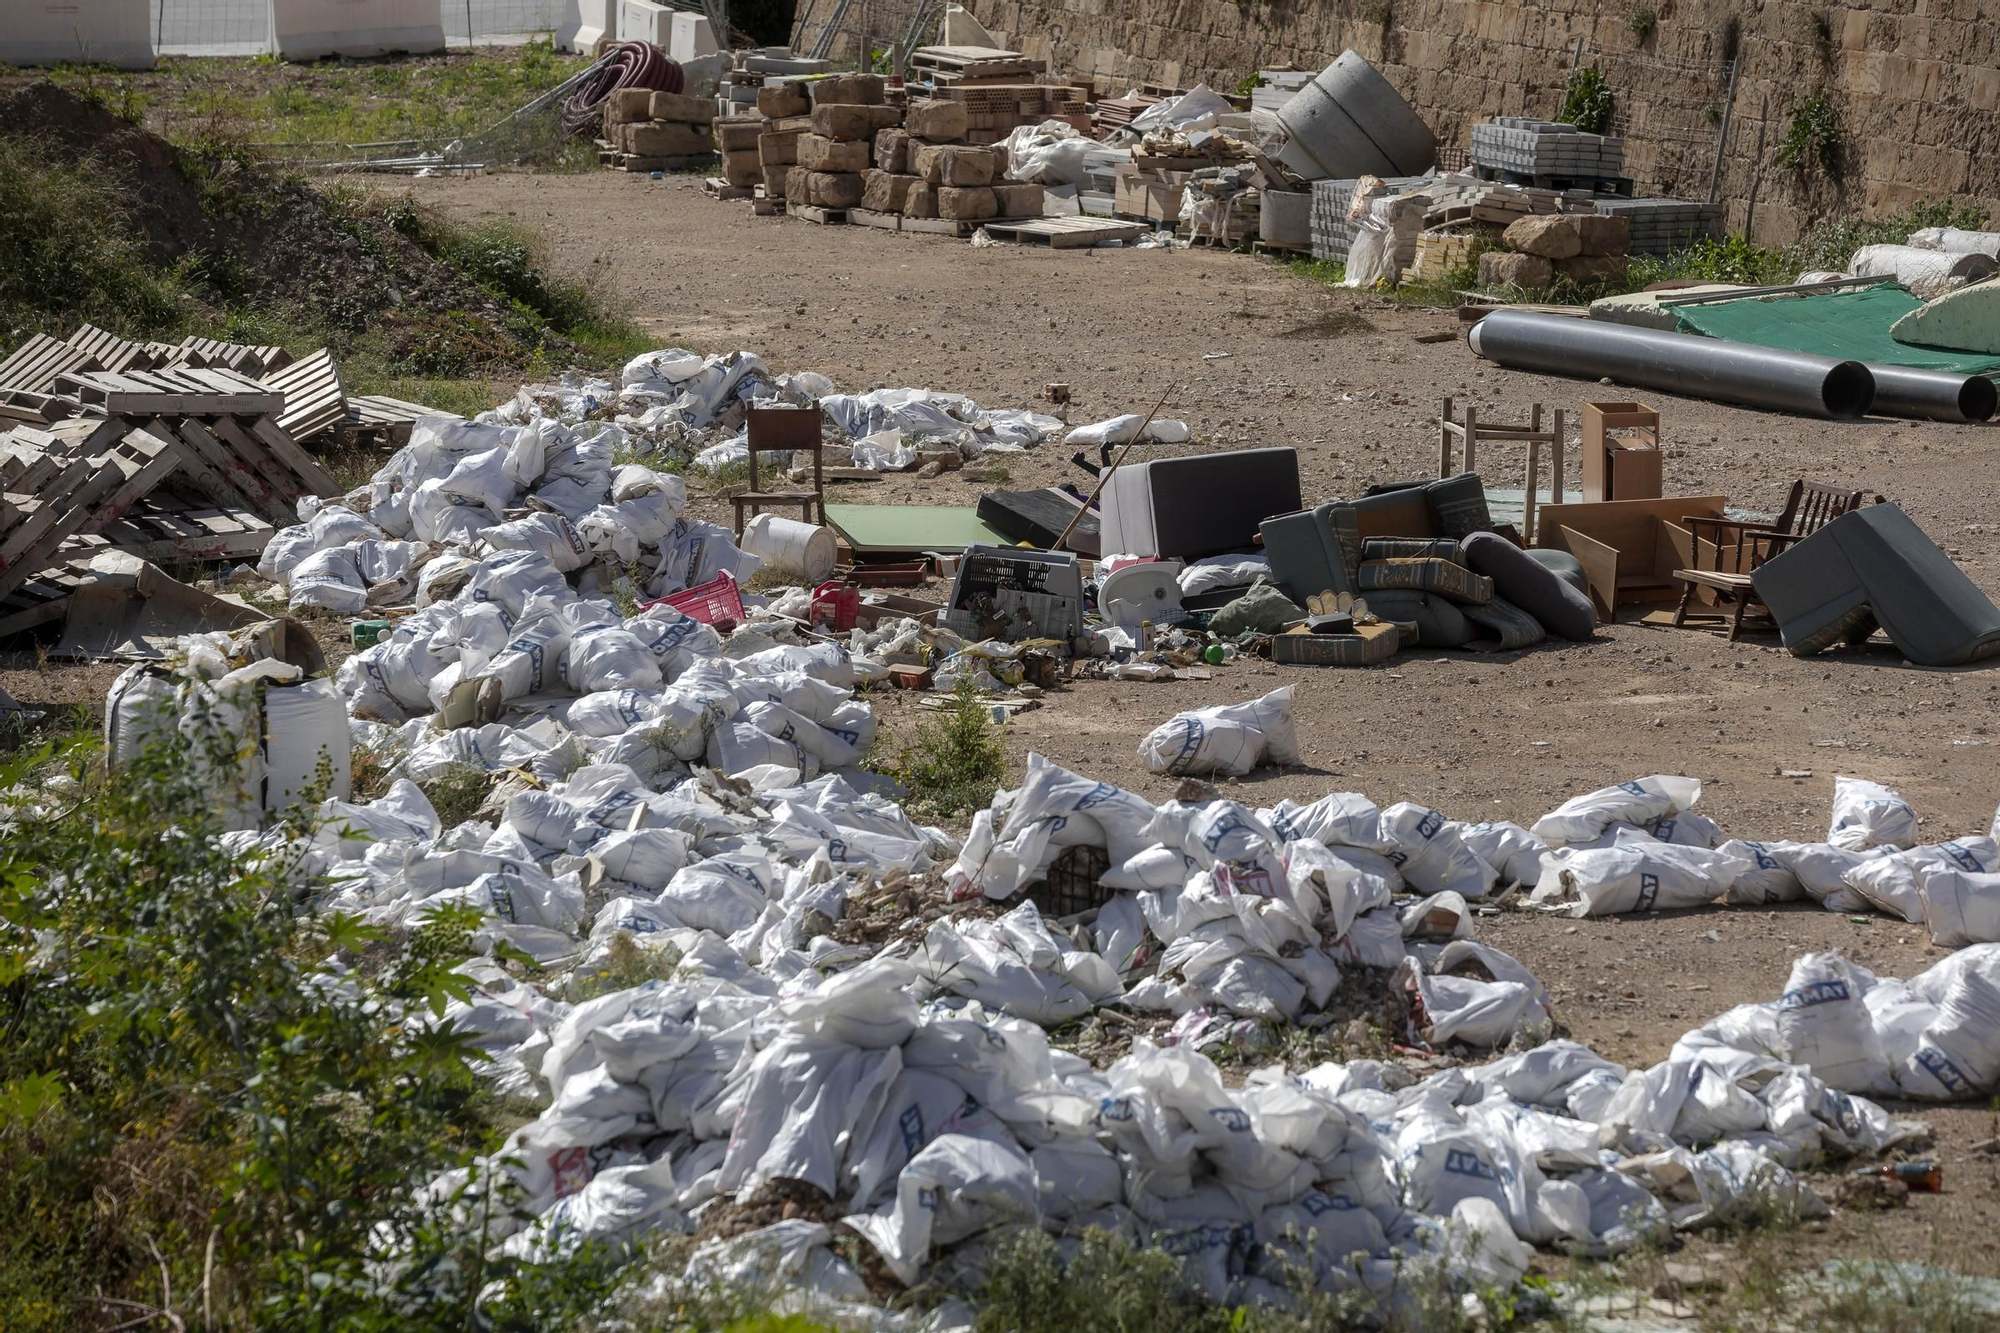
(1250, 83)
(458, 792)
(1587, 100)
(957, 759)
(1815, 140)
(1640, 21)
(1819, 31)
(1381, 13)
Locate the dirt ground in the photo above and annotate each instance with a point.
(1250, 354)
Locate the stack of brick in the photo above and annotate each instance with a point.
(1579, 246)
(927, 170)
(847, 113)
(650, 127)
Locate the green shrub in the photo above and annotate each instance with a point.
(1587, 101)
(957, 759)
(1815, 139)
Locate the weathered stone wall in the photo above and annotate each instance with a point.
(1916, 82)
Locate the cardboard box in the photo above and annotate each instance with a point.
(1615, 467)
(1629, 549)
(1368, 645)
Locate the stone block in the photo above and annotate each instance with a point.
(778, 150)
(627, 105)
(1588, 268)
(742, 169)
(1018, 199)
(795, 186)
(738, 132)
(1603, 234)
(776, 182)
(938, 120)
(681, 110)
(819, 153)
(921, 201)
(666, 138)
(1550, 235)
(960, 165)
(967, 203)
(775, 100)
(885, 191)
(892, 151)
(833, 189)
(1498, 268)
(840, 120)
(848, 90)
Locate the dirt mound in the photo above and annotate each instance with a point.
(250, 238)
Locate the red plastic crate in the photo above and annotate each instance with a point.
(716, 602)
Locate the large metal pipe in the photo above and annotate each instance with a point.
(1933, 395)
(1683, 363)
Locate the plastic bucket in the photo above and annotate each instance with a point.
(786, 543)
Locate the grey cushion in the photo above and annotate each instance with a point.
(1439, 623)
(1564, 565)
(1530, 585)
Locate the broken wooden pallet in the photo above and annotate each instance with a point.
(1069, 233)
(315, 399)
(38, 363)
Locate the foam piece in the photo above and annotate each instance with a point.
(1530, 585)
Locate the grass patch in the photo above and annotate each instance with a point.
(458, 792)
(1328, 271)
(625, 964)
(957, 759)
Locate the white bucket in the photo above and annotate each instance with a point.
(786, 543)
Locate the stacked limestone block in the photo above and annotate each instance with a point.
(847, 113)
(1543, 247)
(640, 123)
(784, 107)
(736, 139)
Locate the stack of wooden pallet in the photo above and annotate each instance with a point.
(946, 65)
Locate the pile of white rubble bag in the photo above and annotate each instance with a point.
(710, 807)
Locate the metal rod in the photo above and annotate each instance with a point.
(1688, 364)
(1785, 290)
(1106, 475)
(1757, 165)
(1722, 136)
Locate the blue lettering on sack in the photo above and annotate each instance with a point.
(787, 733)
(1232, 1118)
(1193, 732)
(911, 1122)
(1458, 1162)
(1281, 824)
(836, 849)
(1664, 829)
(1429, 826)
(1636, 788)
(1819, 992)
(628, 707)
(1935, 1063)
(1961, 856)
(1116, 1109)
(634, 924)
(1649, 890)
(927, 1198)
(1097, 795)
(502, 900)
(1765, 861)
(1229, 822)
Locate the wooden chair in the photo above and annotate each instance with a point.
(1734, 549)
(770, 430)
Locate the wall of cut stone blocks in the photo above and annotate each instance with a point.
(1917, 82)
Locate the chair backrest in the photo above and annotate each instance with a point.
(785, 430)
(1814, 504)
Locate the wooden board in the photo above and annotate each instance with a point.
(868, 217)
(814, 213)
(1069, 233)
(909, 529)
(633, 162)
(717, 187)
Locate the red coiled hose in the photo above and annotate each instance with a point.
(631, 65)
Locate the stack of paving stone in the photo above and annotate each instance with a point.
(1661, 226)
(1546, 148)
(1332, 231)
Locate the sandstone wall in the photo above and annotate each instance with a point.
(1916, 82)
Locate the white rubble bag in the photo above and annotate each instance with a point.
(956, 1187)
(1867, 814)
(1824, 1026)
(1634, 877)
(1961, 907)
(1642, 801)
(1227, 738)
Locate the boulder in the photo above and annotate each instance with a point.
(679, 109)
(848, 90)
(1018, 199)
(738, 132)
(885, 191)
(938, 119)
(959, 165)
(1602, 234)
(1498, 268)
(626, 105)
(666, 138)
(892, 151)
(1550, 235)
(795, 186)
(819, 153)
(833, 189)
(839, 120)
(967, 203)
(782, 99)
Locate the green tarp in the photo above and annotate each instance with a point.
(910, 529)
(1848, 326)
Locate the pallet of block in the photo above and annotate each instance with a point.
(1067, 233)
(643, 128)
(635, 162)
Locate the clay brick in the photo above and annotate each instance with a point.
(665, 138)
(921, 201)
(1497, 268)
(1550, 235)
(738, 132)
(681, 110)
(782, 99)
(884, 191)
(843, 121)
(819, 153)
(833, 189)
(777, 150)
(1018, 199)
(967, 203)
(892, 151)
(742, 169)
(937, 120)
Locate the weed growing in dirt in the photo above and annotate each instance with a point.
(957, 760)
(458, 792)
(627, 963)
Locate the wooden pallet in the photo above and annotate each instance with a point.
(633, 162)
(315, 399)
(717, 188)
(110, 351)
(868, 217)
(38, 363)
(1278, 249)
(814, 213)
(1071, 233)
(174, 392)
(767, 208)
